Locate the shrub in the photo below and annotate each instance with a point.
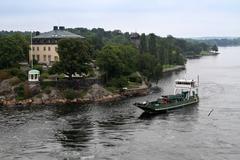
(45, 75)
(14, 82)
(46, 84)
(135, 77)
(118, 82)
(18, 73)
(70, 94)
(38, 67)
(20, 92)
(47, 90)
(4, 75)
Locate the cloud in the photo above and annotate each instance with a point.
(177, 17)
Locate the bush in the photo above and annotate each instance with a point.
(118, 82)
(20, 92)
(38, 67)
(18, 73)
(47, 84)
(70, 94)
(45, 75)
(47, 90)
(135, 77)
(4, 75)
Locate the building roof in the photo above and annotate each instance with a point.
(57, 34)
(34, 71)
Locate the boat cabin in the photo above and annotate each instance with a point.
(182, 83)
(188, 86)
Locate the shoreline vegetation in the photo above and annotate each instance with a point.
(104, 67)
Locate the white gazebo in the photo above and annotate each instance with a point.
(33, 75)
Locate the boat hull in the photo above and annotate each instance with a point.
(149, 108)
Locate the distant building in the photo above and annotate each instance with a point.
(44, 46)
(135, 38)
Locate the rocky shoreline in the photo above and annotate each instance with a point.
(88, 99)
(96, 94)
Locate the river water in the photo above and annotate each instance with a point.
(121, 132)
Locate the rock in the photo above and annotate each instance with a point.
(32, 88)
(7, 87)
(55, 94)
(45, 97)
(155, 89)
(36, 101)
(96, 92)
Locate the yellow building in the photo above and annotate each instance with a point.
(44, 46)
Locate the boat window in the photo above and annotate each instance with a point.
(184, 83)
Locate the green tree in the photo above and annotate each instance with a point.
(143, 44)
(13, 49)
(117, 60)
(215, 48)
(152, 46)
(74, 57)
(157, 73)
(109, 62)
(97, 42)
(146, 64)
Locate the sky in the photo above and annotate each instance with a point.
(180, 18)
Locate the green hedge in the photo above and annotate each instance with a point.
(70, 94)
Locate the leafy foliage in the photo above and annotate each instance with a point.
(70, 94)
(117, 60)
(13, 49)
(74, 57)
(143, 44)
(214, 48)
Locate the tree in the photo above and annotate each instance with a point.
(143, 44)
(74, 57)
(13, 49)
(97, 42)
(152, 47)
(109, 62)
(215, 48)
(146, 64)
(157, 73)
(117, 60)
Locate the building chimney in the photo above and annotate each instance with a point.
(61, 28)
(55, 28)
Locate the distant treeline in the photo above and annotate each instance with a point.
(167, 50)
(119, 56)
(221, 42)
(163, 47)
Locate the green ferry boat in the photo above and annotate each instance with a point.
(185, 93)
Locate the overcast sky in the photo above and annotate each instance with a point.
(180, 18)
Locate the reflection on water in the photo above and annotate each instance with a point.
(122, 131)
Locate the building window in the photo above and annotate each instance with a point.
(33, 48)
(56, 58)
(49, 48)
(44, 48)
(33, 57)
(38, 57)
(49, 58)
(37, 48)
(44, 57)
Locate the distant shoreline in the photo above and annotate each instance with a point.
(175, 68)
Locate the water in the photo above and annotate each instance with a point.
(120, 131)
